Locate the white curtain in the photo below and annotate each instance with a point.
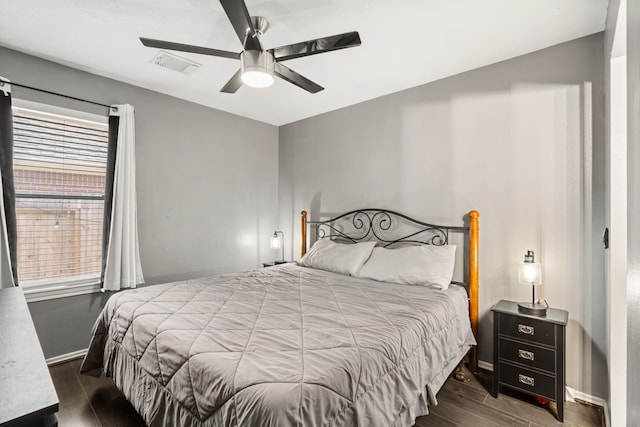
(123, 268)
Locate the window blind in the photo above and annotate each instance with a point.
(59, 172)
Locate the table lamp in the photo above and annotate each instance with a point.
(530, 273)
(277, 242)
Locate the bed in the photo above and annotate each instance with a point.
(291, 345)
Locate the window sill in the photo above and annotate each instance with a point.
(43, 293)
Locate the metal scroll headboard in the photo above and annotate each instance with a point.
(386, 227)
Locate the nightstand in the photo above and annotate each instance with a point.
(529, 352)
(272, 263)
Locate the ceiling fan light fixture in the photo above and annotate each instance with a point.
(257, 79)
(257, 68)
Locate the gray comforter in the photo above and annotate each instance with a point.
(281, 346)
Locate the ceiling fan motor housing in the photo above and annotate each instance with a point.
(260, 24)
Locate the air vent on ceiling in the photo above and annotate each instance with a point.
(174, 62)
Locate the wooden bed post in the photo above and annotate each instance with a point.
(473, 283)
(304, 233)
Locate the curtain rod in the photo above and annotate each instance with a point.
(2, 83)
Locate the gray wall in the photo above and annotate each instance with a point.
(206, 182)
(521, 141)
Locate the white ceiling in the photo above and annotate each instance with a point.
(405, 43)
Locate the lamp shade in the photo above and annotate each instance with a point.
(276, 242)
(530, 273)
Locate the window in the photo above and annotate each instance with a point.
(59, 173)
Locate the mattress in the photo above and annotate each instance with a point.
(280, 346)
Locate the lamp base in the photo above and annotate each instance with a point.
(533, 309)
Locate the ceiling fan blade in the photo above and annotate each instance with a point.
(321, 45)
(234, 83)
(188, 48)
(296, 79)
(238, 14)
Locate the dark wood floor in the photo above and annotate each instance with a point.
(87, 401)
(470, 404)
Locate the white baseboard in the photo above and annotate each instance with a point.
(570, 394)
(64, 357)
(485, 365)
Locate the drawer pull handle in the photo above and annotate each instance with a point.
(524, 354)
(526, 329)
(526, 380)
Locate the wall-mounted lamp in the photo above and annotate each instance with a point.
(530, 273)
(277, 241)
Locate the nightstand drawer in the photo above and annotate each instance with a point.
(528, 329)
(528, 355)
(528, 380)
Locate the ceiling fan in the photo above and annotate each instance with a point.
(257, 65)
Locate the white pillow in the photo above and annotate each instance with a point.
(341, 258)
(425, 265)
